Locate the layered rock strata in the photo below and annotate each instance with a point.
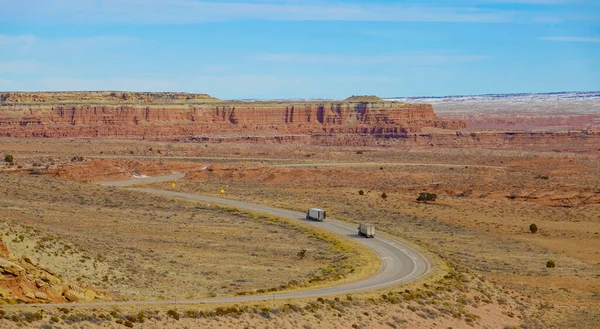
(161, 116)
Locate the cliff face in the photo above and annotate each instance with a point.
(23, 117)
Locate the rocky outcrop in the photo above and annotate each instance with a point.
(23, 117)
(23, 280)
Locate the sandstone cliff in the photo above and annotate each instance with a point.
(168, 115)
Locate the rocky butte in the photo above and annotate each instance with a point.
(127, 115)
(357, 120)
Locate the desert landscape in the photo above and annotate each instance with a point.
(510, 230)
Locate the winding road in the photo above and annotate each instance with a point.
(399, 262)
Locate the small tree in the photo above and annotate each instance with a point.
(383, 195)
(301, 254)
(361, 192)
(9, 158)
(550, 264)
(426, 197)
(533, 228)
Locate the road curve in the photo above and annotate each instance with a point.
(399, 262)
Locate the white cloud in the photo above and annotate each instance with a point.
(82, 84)
(93, 41)
(410, 59)
(24, 67)
(11, 40)
(571, 39)
(190, 11)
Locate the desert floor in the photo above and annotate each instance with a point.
(134, 246)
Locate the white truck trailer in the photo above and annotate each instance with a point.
(366, 230)
(316, 214)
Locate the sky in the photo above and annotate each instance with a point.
(266, 49)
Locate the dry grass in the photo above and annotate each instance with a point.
(144, 247)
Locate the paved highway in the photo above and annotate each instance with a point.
(399, 262)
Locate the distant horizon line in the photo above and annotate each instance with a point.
(316, 98)
(499, 94)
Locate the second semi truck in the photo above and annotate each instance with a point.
(366, 230)
(316, 214)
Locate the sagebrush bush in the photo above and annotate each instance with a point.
(533, 228)
(426, 196)
(550, 264)
(173, 313)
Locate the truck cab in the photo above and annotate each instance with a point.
(316, 214)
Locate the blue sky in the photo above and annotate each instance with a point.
(306, 49)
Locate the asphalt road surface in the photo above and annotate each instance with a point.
(399, 262)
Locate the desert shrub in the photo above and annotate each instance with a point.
(301, 254)
(35, 172)
(128, 324)
(31, 316)
(77, 159)
(9, 158)
(550, 264)
(383, 195)
(139, 317)
(191, 314)
(173, 313)
(359, 152)
(544, 177)
(361, 192)
(426, 197)
(533, 228)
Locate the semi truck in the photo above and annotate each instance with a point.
(316, 214)
(366, 230)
